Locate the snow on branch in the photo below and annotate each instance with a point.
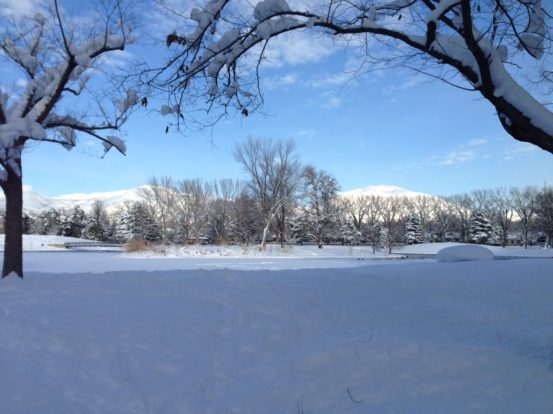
(213, 63)
(54, 73)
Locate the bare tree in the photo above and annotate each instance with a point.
(442, 217)
(463, 206)
(466, 43)
(544, 213)
(225, 193)
(393, 209)
(504, 210)
(524, 204)
(160, 197)
(56, 58)
(245, 220)
(365, 212)
(192, 209)
(273, 170)
(320, 190)
(482, 201)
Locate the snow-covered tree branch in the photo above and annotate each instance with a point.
(476, 45)
(56, 58)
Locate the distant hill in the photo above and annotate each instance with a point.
(382, 190)
(33, 201)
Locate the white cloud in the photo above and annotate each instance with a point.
(411, 82)
(117, 58)
(477, 142)
(464, 153)
(275, 82)
(297, 48)
(459, 156)
(332, 102)
(18, 8)
(518, 150)
(305, 133)
(333, 79)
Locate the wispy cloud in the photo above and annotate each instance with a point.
(297, 48)
(408, 84)
(18, 8)
(477, 142)
(275, 82)
(305, 133)
(332, 102)
(459, 156)
(330, 79)
(518, 150)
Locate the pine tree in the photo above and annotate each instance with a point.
(480, 228)
(136, 223)
(414, 232)
(349, 232)
(297, 226)
(96, 223)
(74, 222)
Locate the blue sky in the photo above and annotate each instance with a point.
(391, 127)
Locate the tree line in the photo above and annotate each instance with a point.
(282, 201)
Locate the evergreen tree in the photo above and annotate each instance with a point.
(298, 227)
(74, 223)
(480, 228)
(349, 232)
(96, 223)
(414, 232)
(48, 223)
(136, 223)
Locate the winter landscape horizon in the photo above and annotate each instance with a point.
(276, 206)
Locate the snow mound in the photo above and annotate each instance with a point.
(463, 253)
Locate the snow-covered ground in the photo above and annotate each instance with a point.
(33, 242)
(382, 336)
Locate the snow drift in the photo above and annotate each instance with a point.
(467, 252)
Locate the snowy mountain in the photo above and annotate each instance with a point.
(33, 201)
(381, 190)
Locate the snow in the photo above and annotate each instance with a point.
(501, 252)
(395, 336)
(442, 7)
(381, 190)
(118, 143)
(267, 8)
(167, 110)
(464, 253)
(34, 242)
(33, 201)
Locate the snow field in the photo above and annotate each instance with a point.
(394, 337)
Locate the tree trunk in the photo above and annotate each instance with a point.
(264, 238)
(525, 236)
(282, 224)
(13, 227)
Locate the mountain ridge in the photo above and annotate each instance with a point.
(36, 202)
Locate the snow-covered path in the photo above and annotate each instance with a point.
(393, 337)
